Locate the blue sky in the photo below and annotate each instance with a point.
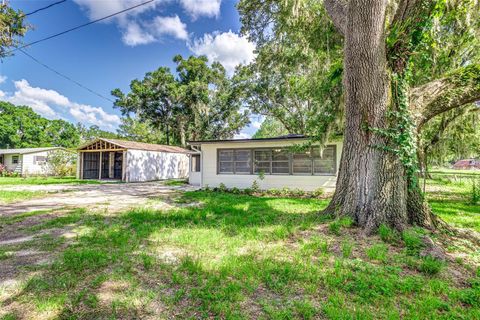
(109, 54)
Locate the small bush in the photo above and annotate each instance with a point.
(255, 186)
(430, 265)
(317, 193)
(222, 187)
(387, 234)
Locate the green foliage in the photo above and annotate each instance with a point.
(21, 127)
(413, 241)
(13, 27)
(475, 192)
(296, 77)
(270, 128)
(347, 248)
(133, 129)
(377, 252)
(61, 163)
(199, 102)
(387, 234)
(430, 265)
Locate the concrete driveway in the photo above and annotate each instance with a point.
(110, 196)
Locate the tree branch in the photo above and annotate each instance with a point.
(455, 90)
(337, 11)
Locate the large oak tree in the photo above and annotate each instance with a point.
(393, 84)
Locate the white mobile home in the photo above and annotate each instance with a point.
(26, 161)
(269, 161)
(131, 161)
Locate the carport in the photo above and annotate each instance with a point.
(131, 161)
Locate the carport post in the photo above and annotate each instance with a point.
(100, 167)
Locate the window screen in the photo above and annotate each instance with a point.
(302, 162)
(14, 159)
(280, 161)
(324, 163)
(263, 160)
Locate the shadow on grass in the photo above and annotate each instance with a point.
(113, 269)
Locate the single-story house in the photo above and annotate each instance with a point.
(270, 162)
(26, 161)
(131, 161)
(467, 164)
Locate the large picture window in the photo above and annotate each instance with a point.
(278, 161)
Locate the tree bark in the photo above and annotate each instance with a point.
(371, 185)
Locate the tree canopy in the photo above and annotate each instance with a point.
(198, 102)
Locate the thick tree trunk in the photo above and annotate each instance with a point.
(371, 186)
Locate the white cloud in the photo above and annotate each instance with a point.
(137, 29)
(134, 35)
(53, 105)
(228, 48)
(198, 8)
(171, 26)
(256, 124)
(2, 79)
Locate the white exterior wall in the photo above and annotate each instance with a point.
(210, 177)
(30, 167)
(151, 165)
(7, 160)
(195, 178)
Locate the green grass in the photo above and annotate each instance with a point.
(176, 182)
(237, 257)
(7, 196)
(43, 181)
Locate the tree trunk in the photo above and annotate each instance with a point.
(371, 186)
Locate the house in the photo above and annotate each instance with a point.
(269, 161)
(467, 164)
(131, 161)
(26, 161)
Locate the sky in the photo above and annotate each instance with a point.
(109, 54)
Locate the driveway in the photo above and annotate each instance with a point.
(109, 196)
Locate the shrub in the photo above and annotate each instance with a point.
(60, 163)
(430, 265)
(317, 193)
(255, 186)
(222, 187)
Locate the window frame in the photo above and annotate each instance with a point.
(16, 159)
(271, 161)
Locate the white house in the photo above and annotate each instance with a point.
(26, 161)
(131, 161)
(271, 162)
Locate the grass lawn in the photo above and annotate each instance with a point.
(233, 256)
(4, 181)
(7, 196)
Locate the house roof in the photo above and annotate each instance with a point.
(139, 146)
(471, 163)
(284, 137)
(27, 150)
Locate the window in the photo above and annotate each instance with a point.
(236, 161)
(40, 159)
(14, 159)
(263, 159)
(279, 161)
(195, 163)
(325, 162)
(302, 162)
